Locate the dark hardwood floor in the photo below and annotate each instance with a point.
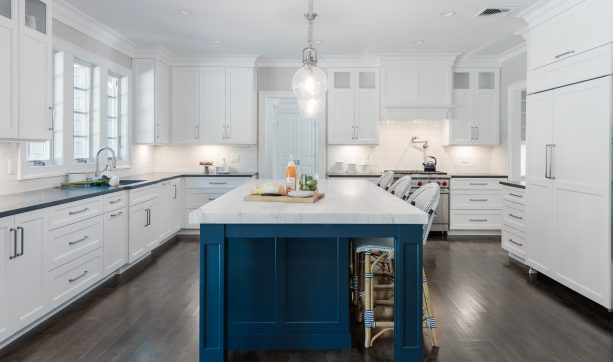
(488, 309)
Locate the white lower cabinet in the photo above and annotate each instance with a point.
(170, 212)
(513, 237)
(115, 240)
(6, 240)
(475, 204)
(143, 230)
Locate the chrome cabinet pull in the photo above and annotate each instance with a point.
(517, 217)
(175, 196)
(515, 242)
(14, 255)
(79, 277)
(478, 220)
(212, 198)
(78, 212)
(516, 195)
(564, 54)
(478, 184)
(22, 237)
(114, 201)
(229, 132)
(481, 200)
(357, 132)
(549, 161)
(117, 214)
(477, 133)
(78, 241)
(52, 110)
(197, 132)
(218, 182)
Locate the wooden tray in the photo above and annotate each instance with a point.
(292, 200)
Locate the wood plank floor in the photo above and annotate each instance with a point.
(487, 306)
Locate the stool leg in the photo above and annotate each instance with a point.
(355, 278)
(369, 317)
(429, 314)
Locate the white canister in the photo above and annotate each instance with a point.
(76, 176)
(351, 168)
(363, 168)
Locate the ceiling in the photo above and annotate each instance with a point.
(276, 29)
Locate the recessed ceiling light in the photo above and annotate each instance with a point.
(183, 12)
(419, 42)
(215, 41)
(447, 14)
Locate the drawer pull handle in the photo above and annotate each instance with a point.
(482, 200)
(479, 184)
(565, 53)
(516, 195)
(478, 220)
(515, 242)
(117, 214)
(78, 241)
(115, 201)
(212, 198)
(78, 211)
(77, 278)
(218, 182)
(517, 217)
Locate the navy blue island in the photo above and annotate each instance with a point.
(275, 276)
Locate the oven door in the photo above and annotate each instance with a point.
(441, 219)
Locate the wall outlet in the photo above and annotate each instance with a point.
(11, 167)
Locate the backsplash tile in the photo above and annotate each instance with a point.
(179, 158)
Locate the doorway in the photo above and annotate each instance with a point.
(284, 132)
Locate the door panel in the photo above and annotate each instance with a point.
(34, 80)
(8, 76)
(240, 106)
(212, 130)
(185, 104)
(341, 117)
(463, 119)
(487, 116)
(6, 251)
(367, 117)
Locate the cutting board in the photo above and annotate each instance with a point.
(292, 200)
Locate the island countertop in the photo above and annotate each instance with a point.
(347, 201)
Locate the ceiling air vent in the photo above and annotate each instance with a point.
(496, 12)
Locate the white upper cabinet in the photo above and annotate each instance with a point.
(353, 106)
(151, 80)
(240, 106)
(475, 119)
(415, 92)
(213, 105)
(25, 69)
(185, 105)
(584, 26)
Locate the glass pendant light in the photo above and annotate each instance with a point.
(309, 82)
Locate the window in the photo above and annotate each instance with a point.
(113, 130)
(82, 132)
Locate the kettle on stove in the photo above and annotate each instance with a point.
(430, 166)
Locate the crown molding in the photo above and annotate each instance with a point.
(348, 61)
(544, 10)
(441, 60)
(512, 52)
(477, 61)
(75, 18)
(160, 53)
(247, 60)
(279, 63)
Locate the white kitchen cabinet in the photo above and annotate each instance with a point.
(115, 240)
(176, 205)
(143, 228)
(475, 117)
(24, 287)
(578, 29)
(513, 238)
(7, 225)
(213, 104)
(240, 106)
(170, 209)
(151, 82)
(353, 106)
(9, 37)
(185, 105)
(475, 204)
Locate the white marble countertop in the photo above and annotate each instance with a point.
(347, 201)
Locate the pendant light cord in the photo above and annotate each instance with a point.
(310, 16)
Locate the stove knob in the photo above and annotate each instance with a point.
(444, 183)
(419, 183)
(438, 182)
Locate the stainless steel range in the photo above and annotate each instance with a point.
(420, 178)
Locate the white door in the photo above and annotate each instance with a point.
(367, 107)
(582, 188)
(341, 107)
(539, 219)
(115, 240)
(6, 251)
(293, 135)
(25, 288)
(185, 104)
(162, 103)
(8, 69)
(213, 125)
(35, 70)
(240, 106)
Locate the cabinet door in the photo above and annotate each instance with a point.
(177, 205)
(582, 188)
(25, 287)
(213, 125)
(341, 107)
(35, 70)
(162, 103)
(367, 107)
(165, 216)
(8, 68)
(115, 240)
(398, 87)
(240, 106)
(143, 71)
(152, 231)
(539, 212)
(138, 224)
(433, 86)
(487, 113)
(463, 121)
(6, 251)
(185, 104)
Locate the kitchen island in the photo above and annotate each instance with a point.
(275, 276)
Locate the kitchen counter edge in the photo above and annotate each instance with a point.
(518, 184)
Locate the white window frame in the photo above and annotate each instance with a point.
(64, 161)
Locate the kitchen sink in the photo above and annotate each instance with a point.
(129, 182)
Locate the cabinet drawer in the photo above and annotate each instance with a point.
(115, 201)
(196, 198)
(514, 241)
(514, 216)
(143, 194)
(484, 200)
(475, 220)
(476, 183)
(72, 212)
(73, 278)
(73, 241)
(215, 182)
(514, 195)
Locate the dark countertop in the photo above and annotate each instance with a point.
(33, 200)
(370, 174)
(518, 184)
(477, 175)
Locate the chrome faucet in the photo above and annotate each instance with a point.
(113, 165)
